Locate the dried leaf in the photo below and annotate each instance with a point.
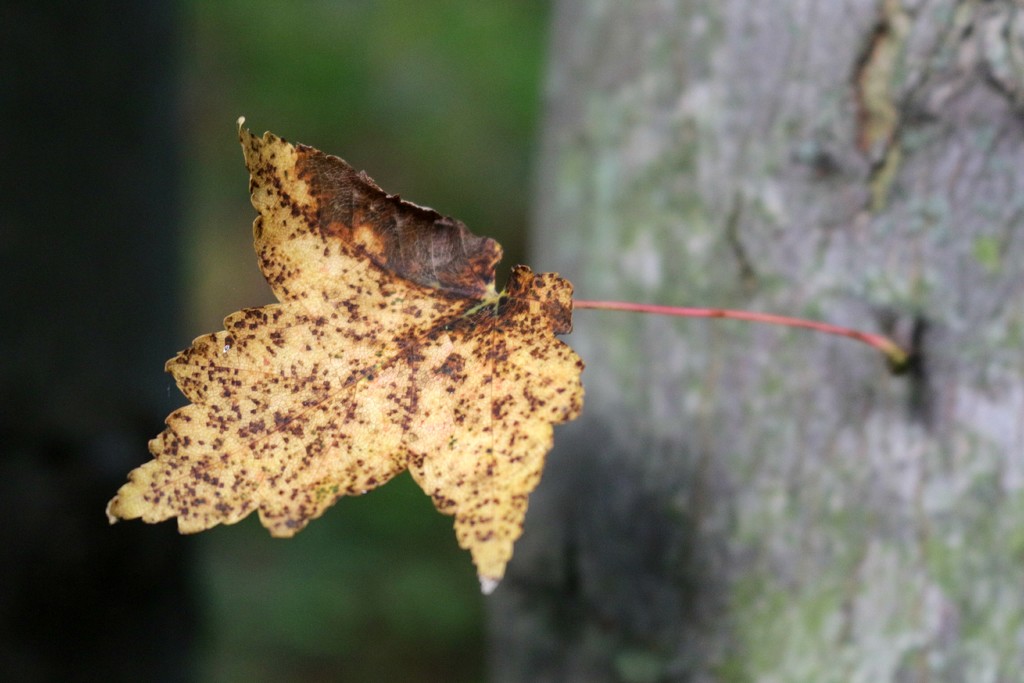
(389, 349)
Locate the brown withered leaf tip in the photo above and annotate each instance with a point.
(389, 350)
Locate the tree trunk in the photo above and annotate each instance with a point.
(740, 502)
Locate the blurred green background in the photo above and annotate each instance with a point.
(126, 232)
(438, 101)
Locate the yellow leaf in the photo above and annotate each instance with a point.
(389, 350)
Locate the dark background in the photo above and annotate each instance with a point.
(125, 232)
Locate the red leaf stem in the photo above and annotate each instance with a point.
(896, 356)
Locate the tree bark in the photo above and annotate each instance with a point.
(741, 502)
